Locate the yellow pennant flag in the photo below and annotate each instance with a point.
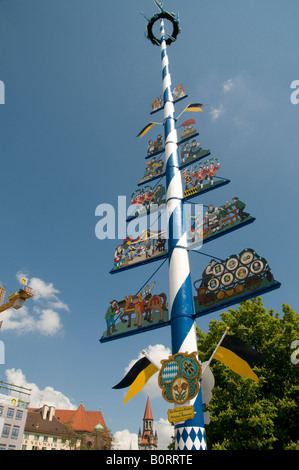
(235, 354)
(137, 377)
(140, 381)
(146, 129)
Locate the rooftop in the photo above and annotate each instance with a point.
(81, 420)
(36, 424)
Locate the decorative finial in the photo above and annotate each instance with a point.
(159, 16)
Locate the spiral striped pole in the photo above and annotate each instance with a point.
(189, 435)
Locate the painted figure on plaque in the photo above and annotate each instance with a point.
(200, 176)
(189, 130)
(212, 218)
(153, 169)
(240, 206)
(211, 170)
(191, 152)
(147, 199)
(112, 310)
(134, 312)
(155, 146)
(157, 103)
(148, 246)
(218, 220)
(178, 93)
(195, 230)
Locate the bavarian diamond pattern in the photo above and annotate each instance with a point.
(170, 371)
(190, 438)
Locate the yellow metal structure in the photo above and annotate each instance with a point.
(2, 294)
(15, 300)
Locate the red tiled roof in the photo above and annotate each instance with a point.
(36, 424)
(80, 419)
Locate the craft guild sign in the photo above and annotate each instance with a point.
(179, 377)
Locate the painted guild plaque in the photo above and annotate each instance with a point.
(154, 168)
(189, 130)
(191, 152)
(234, 280)
(149, 246)
(136, 314)
(155, 147)
(202, 177)
(178, 94)
(147, 199)
(179, 377)
(217, 221)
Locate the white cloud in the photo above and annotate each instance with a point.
(228, 85)
(49, 322)
(242, 104)
(217, 112)
(125, 440)
(164, 431)
(38, 314)
(43, 290)
(39, 397)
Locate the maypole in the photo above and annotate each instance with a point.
(183, 380)
(191, 433)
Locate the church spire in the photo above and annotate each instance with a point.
(148, 440)
(148, 411)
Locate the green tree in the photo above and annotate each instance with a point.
(245, 415)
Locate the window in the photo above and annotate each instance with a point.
(45, 438)
(10, 413)
(15, 432)
(1, 410)
(36, 437)
(11, 447)
(2, 446)
(19, 414)
(6, 430)
(54, 439)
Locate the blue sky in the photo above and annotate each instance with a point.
(79, 81)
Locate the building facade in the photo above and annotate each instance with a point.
(43, 431)
(48, 428)
(147, 439)
(14, 402)
(88, 425)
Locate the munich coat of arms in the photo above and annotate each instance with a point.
(179, 377)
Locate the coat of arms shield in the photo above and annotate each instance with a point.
(179, 377)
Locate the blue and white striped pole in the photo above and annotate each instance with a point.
(189, 435)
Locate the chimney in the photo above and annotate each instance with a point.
(48, 412)
(45, 410)
(51, 412)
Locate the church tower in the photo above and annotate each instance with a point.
(148, 440)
